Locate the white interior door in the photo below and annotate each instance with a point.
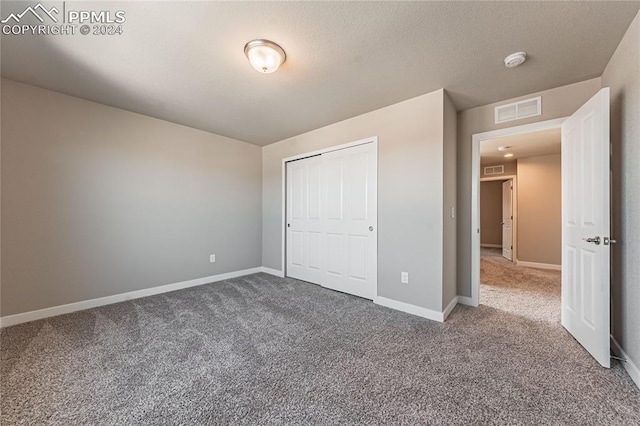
(304, 223)
(507, 219)
(585, 226)
(350, 213)
(332, 220)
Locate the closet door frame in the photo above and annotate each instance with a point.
(283, 244)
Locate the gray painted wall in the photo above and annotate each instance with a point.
(540, 209)
(556, 103)
(410, 193)
(98, 201)
(449, 282)
(622, 75)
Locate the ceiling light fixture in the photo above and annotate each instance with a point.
(508, 155)
(503, 148)
(515, 59)
(264, 55)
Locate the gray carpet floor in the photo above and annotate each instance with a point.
(265, 350)
(529, 292)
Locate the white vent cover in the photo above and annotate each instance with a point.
(518, 110)
(493, 170)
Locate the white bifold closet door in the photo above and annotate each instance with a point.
(331, 235)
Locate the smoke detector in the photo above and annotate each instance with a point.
(503, 148)
(515, 59)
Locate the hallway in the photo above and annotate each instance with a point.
(528, 292)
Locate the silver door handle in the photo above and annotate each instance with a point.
(595, 240)
(371, 228)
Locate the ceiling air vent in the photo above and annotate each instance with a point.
(493, 170)
(518, 110)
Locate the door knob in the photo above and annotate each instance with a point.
(371, 228)
(595, 240)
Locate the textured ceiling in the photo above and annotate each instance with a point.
(526, 145)
(184, 61)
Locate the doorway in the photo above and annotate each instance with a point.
(585, 229)
(521, 179)
(491, 142)
(499, 213)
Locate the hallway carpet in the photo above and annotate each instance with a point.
(529, 292)
(265, 350)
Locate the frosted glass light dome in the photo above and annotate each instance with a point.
(264, 55)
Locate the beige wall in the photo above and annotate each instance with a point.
(622, 75)
(491, 212)
(540, 209)
(410, 193)
(556, 103)
(510, 168)
(98, 201)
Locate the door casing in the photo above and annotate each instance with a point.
(510, 219)
(514, 235)
(476, 139)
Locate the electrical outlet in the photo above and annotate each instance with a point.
(404, 277)
(212, 258)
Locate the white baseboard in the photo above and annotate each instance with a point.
(464, 300)
(539, 265)
(449, 308)
(632, 369)
(410, 309)
(117, 298)
(273, 272)
(491, 245)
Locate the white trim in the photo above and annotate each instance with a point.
(283, 217)
(283, 220)
(475, 189)
(450, 307)
(464, 300)
(331, 149)
(498, 178)
(117, 298)
(632, 369)
(539, 265)
(410, 309)
(491, 245)
(274, 272)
